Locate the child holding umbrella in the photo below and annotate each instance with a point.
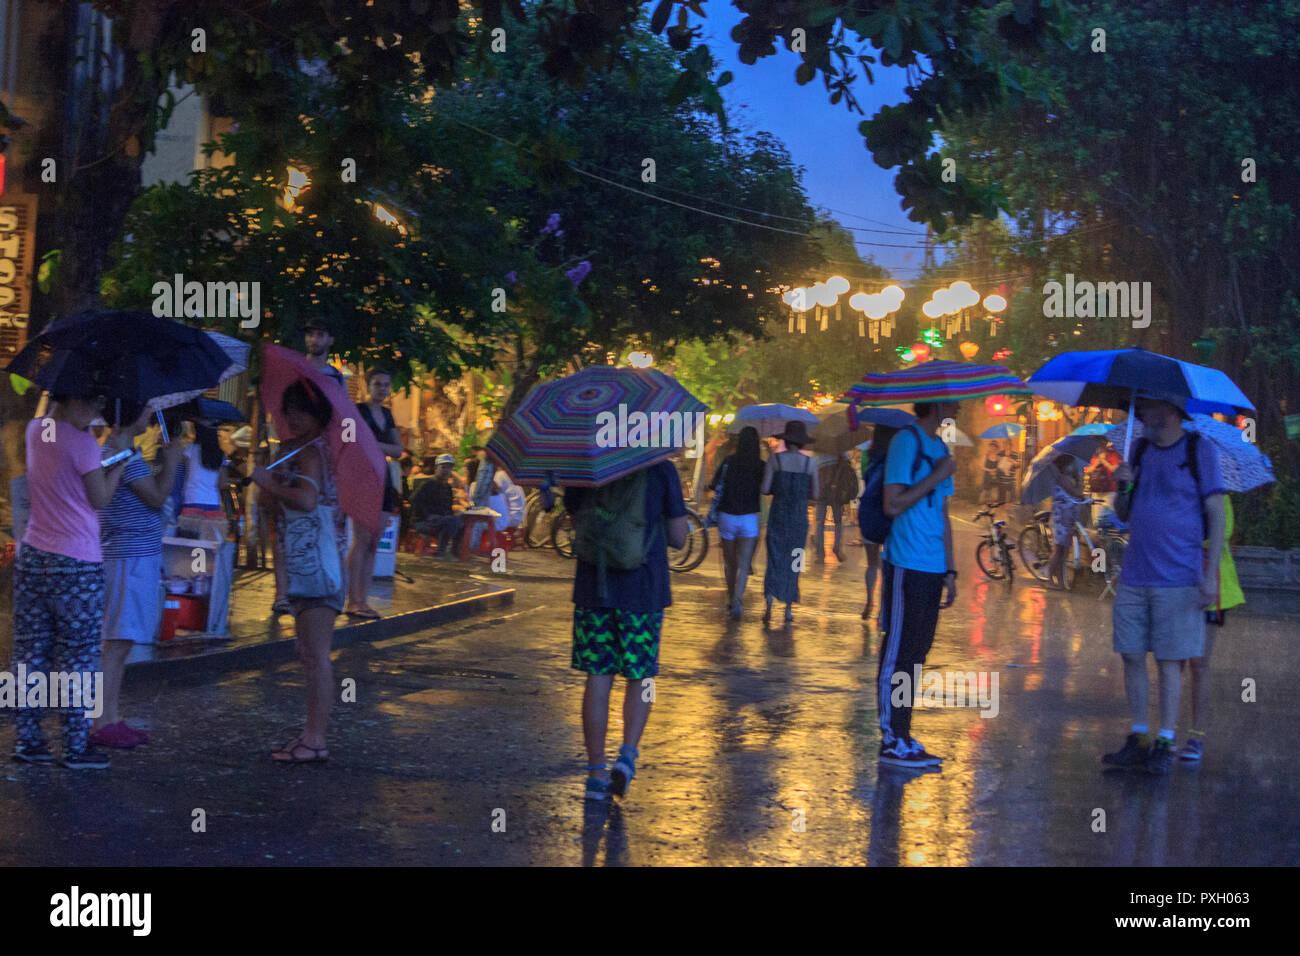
(309, 484)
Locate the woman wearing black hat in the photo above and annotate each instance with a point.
(791, 480)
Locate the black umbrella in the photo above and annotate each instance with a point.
(132, 356)
(209, 410)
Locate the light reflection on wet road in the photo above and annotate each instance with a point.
(761, 748)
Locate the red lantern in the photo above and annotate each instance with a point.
(997, 405)
(921, 351)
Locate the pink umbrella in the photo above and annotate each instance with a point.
(358, 463)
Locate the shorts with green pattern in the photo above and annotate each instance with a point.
(610, 641)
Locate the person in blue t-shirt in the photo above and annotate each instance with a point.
(130, 531)
(617, 632)
(1172, 505)
(918, 568)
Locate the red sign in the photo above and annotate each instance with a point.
(17, 252)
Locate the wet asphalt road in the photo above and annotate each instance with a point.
(464, 747)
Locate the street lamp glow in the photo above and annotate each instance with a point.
(995, 303)
(640, 359)
(298, 181)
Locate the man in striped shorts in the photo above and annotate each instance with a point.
(918, 568)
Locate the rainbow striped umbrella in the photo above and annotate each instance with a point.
(597, 425)
(934, 382)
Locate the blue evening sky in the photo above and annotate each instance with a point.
(840, 175)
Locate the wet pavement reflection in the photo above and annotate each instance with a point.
(464, 746)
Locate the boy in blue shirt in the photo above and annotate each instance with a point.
(918, 568)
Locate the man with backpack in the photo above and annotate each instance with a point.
(918, 569)
(1172, 495)
(839, 486)
(620, 589)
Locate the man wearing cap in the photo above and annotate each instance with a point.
(431, 506)
(320, 339)
(1172, 495)
(918, 570)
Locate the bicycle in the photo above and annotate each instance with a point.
(993, 554)
(538, 522)
(1036, 543)
(691, 554)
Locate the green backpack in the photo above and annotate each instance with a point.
(609, 528)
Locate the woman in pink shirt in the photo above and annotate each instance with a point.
(59, 578)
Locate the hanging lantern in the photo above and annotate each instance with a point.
(969, 350)
(997, 405)
(1001, 355)
(921, 351)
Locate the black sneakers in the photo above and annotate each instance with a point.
(931, 760)
(1135, 751)
(92, 758)
(39, 754)
(901, 754)
(1161, 757)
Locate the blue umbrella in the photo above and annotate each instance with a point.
(769, 419)
(1040, 478)
(1096, 428)
(891, 417)
(1113, 378)
(1005, 430)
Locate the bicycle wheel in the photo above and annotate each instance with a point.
(538, 522)
(562, 535)
(1073, 558)
(1114, 562)
(1007, 560)
(989, 558)
(696, 549)
(1035, 547)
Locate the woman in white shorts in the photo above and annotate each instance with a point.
(740, 476)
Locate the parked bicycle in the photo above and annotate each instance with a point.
(993, 554)
(690, 555)
(538, 522)
(1036, 543)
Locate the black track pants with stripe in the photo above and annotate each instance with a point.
(910, 610)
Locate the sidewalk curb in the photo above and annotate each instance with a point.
(280, 651)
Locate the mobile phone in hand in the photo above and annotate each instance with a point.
(114, 459)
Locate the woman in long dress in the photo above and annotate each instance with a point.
(791, 480)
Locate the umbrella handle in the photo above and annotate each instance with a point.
(1128, 432)
(248, 479)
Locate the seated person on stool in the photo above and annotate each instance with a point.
(431, 506)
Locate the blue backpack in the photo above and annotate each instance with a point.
(872, 520)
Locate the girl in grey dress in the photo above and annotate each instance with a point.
(791, 480)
